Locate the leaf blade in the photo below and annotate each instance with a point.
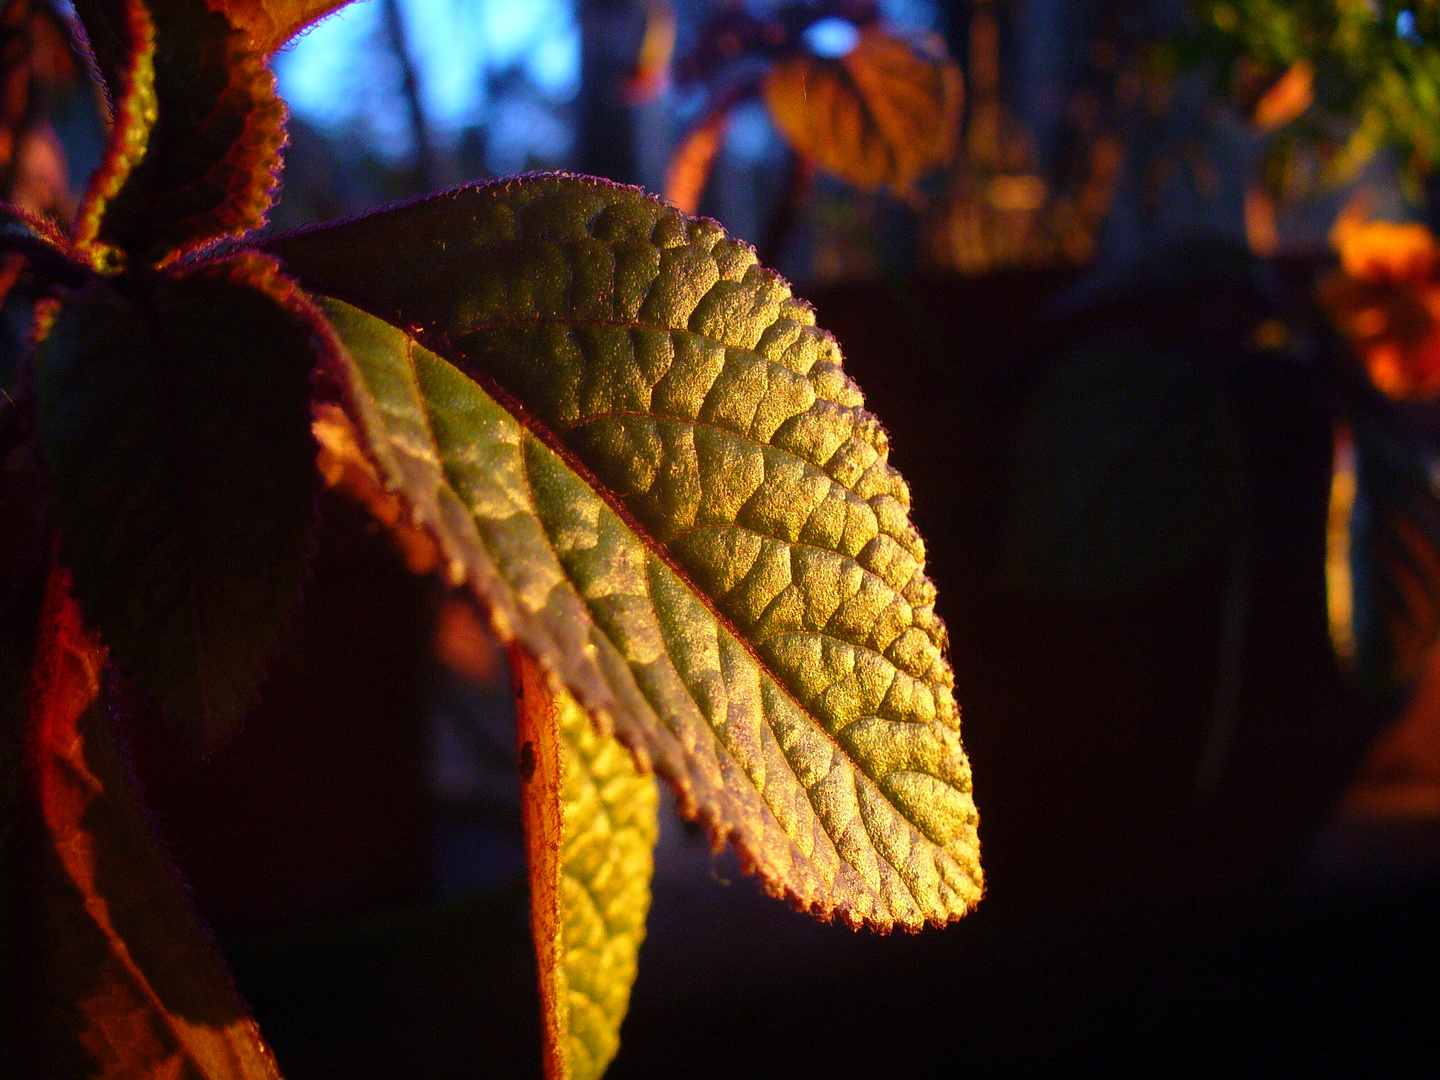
(591, 826)
(271, 23)
(805, 731)
(132, 985)
(200, 159)
(881, 116)
(178, 436)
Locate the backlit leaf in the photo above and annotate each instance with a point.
(195, 150)
(1394, 550)
(647, 463)
(590, 829)
(122, 38)
(690, 165)
(880, 116)
(271, 23)
(131, 985)
(177, 431)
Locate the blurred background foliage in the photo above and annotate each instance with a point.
(1148, 292)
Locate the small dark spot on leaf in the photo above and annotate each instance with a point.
(527, 762)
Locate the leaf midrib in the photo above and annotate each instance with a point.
(548, 438)
(552, 441)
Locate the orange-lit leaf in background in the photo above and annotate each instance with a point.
(1288, 97)
(1386, 300)
(131, 984)
(651, 75)
(881, 116)
(693, 159)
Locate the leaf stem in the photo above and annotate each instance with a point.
(537, 724)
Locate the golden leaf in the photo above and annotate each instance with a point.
(881, 116)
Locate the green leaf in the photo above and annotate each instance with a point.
(883, 115)
(1128, 468)
(590, 829)
(194, 154)
(633, 444)
(176, 429)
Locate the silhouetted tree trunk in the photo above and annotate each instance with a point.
(610, 32)
(424, 164)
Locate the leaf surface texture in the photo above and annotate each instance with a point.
(194, 153)
(648, 464)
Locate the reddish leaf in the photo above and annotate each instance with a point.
(195, 150)
(271, 23)
(130, 981)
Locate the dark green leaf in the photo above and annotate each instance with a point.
(634, 445)
(176, 427)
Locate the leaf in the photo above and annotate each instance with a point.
(122, 37)
(690, 165)
(271, 23)
(881, 116)
(1394, 549)
(1288, 97)
(130, 983)
(590, 828)
(633, 444)
(1128, 467)
(176, 428)
(194, 153)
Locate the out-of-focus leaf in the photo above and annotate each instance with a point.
(177, 431)
(1394, 552)
(647, 463)
(1361, 75)
(652, 63)
(194, 153)
(271, 23)
(590, 830)
(690, 165)
(130, 985)
(1385, 301)
(881, 116)
(36, 60)
(1288, 97)
(1128, 468)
